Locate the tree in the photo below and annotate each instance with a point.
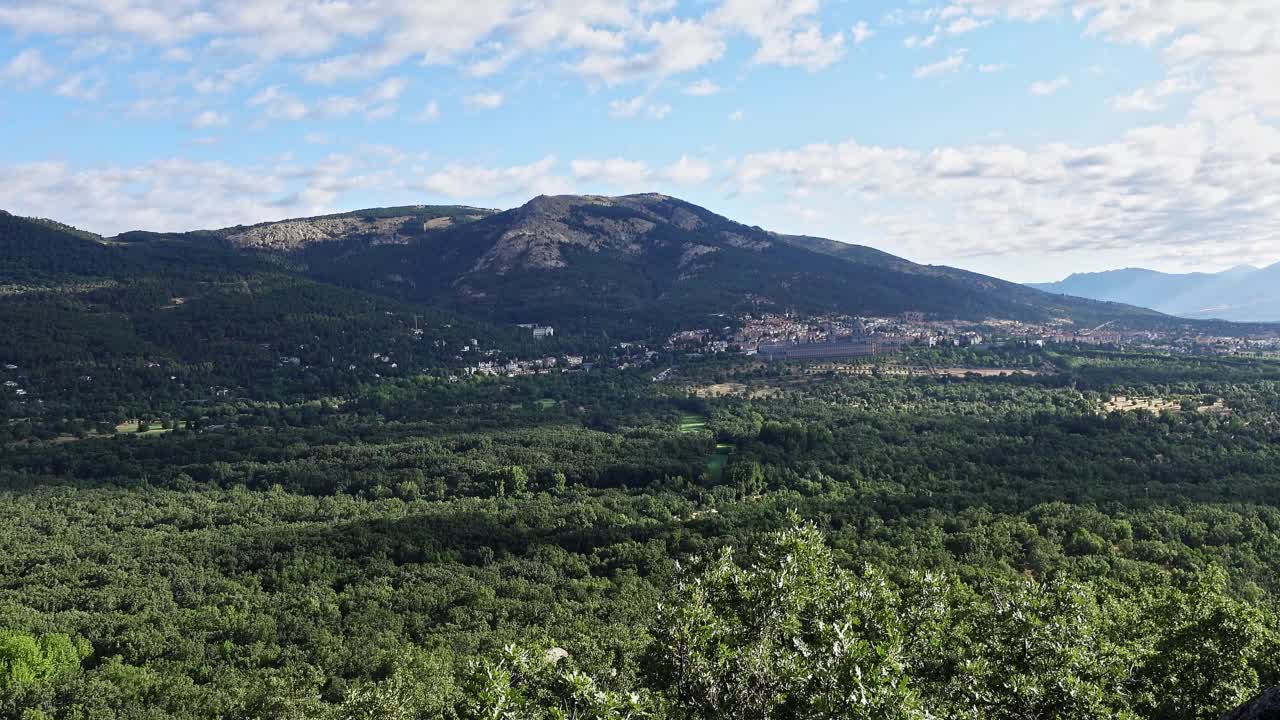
(27, 661)
(528, 685)
(747, 477)
(1208, 651)
(1037, 650)
(792, 637)
(513, 480)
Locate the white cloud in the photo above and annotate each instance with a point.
(484, 101)
(606, 41)
(430, 113)
(861, 32)
(1157, 192)
(807, 48)
(913, 42)
(674, 47)
(27, 69)
(473, 182)
(687, 171)
(789, 32)
(388, 90)
(962, 25)
(221, 81)
(1230, 44)
(683, 45)
(737, 116)
(702, 88)
(616, 172)
(158, 195)
(637, 106)
(1049, 87)
(209, 119)
(628, 108)
(152, 108)
(80, 88)
(340, 106)
(949, 65)
(377, 103)
(1153, 98)
(279, 104)
(1022, 10)
(178, 55)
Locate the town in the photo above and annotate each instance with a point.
(793, 337)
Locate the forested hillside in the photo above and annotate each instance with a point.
(105, 331)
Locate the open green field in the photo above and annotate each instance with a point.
(543, 404)
(718, 461)
(692, 423)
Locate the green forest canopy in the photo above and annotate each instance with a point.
(565, 546)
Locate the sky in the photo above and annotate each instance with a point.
(1027, 139)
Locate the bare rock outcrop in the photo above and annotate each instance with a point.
(548, 224)
(295, 234)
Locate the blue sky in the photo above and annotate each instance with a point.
(1024, 138)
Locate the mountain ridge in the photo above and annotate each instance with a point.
(1240, 294)
(641, 264)
(651, 255)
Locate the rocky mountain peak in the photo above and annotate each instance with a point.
(537, 234)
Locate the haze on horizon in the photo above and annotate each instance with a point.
(1027, 139)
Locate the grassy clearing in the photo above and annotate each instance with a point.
(543, 404)
(692, 423)
(718, 461)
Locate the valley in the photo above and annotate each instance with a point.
(342, 469)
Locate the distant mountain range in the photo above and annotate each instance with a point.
(638, 263)
(1241, 294)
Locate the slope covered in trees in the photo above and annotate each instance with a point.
(104, 329)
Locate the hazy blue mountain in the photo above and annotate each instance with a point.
(1241, 294)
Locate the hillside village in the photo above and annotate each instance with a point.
(788, 336)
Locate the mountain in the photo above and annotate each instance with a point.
(74, 305)
(636, 263)
(637, 266)
(323, 241)
(1241, 294)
